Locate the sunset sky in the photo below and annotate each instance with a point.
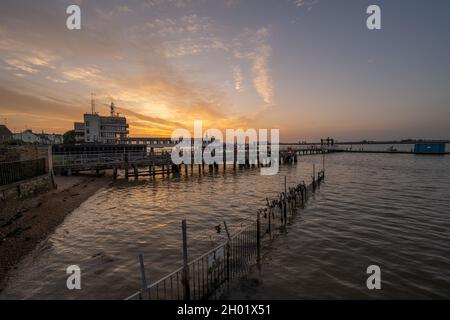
(308, 67)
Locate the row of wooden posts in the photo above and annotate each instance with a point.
(136, 171)
(168, 169)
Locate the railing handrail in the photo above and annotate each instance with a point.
(23, 161)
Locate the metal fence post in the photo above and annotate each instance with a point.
(186, 286)
(258, 240)
(143, 277)
(228, 254)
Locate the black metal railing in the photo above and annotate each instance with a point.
(207, 276)
(11, 172)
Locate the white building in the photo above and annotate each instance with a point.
(101, 129)
(29, 136)
(50, 138)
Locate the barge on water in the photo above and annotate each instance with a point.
(429, 148)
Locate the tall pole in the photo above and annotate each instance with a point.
(143, 277)
(258, 241)
(187, 290)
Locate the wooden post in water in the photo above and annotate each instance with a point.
(186, 286)
(226, 229)
(270, 224)
(258, 240)
(323, 164)
(314, 177)
(143, 277)
(228, 270)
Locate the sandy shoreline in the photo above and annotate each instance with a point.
(24, 225)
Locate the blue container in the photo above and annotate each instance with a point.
(429, 148)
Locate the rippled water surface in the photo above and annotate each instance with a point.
(389, 210)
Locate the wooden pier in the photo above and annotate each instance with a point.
(135, 164)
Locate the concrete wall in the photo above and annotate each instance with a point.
(25, 189)
(21, 153)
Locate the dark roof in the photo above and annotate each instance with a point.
(4, 131)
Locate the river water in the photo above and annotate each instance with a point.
(388, 210)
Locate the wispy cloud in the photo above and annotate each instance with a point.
(238, 78)
(82, 73)
(262, 79)
(308, 4)
(115, 12)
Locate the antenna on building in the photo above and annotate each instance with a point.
(93, 103)
(113, 109)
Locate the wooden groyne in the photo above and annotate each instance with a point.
(209, 275)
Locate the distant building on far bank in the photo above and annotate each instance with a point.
(101, 129)
(29, 136)
(5, 134)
